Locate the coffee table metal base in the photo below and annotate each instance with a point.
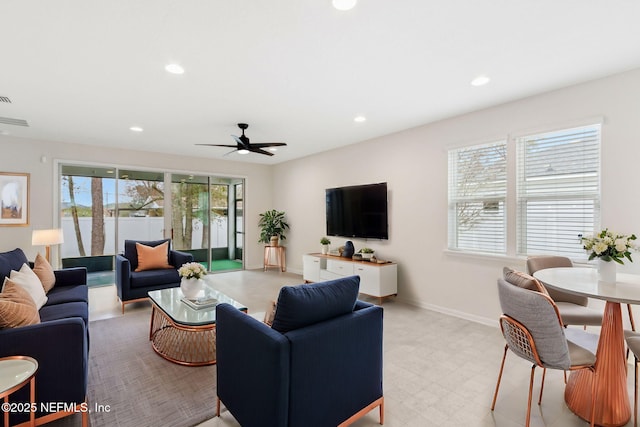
(182, 344)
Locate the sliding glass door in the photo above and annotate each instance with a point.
(202, 223)
(87, 219)
(190, 216)
(101, 207)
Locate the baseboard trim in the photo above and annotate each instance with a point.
(451, 312)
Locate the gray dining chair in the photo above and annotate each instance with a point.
(573, 308)
(633, 344)
(533, 330)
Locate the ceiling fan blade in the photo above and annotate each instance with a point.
(232, 151)
(269, 144)
(219, 145)
(254, 149)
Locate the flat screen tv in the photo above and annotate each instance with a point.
(358, 211)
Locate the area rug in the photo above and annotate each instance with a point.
(131, 385)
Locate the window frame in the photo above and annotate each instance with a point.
(494, 193)
(512, 203)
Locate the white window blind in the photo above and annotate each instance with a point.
(477, 194)
(558, 191)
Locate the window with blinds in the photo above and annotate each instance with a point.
(477, 195)
(557, 191)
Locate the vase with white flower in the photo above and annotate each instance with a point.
(191, 282)
(610, 249)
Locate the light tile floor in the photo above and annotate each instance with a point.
(438, 370)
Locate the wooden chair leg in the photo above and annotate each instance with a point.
(217, 406)
(382, 412)
(495, 395)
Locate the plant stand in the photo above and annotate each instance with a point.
(280, 258)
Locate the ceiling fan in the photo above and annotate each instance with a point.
(243, 146)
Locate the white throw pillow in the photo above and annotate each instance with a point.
(28, 280)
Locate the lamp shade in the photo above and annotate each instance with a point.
(48, 237)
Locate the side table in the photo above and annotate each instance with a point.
(15, 372)
(279, 256)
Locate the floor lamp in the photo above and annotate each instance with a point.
(47, 238)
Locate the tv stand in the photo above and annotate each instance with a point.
(376, 280)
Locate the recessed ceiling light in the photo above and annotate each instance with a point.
(344, 4)
(480, 80)
(360, 119)
(136, 129)
(243, 151)
(174, 69)
(110, 171)
(272, 149)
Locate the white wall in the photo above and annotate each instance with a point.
(414, 164)
(24, 155)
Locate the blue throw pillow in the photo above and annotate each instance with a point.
(303, 305)
(11, 260)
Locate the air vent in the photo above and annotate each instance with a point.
(5, 99)
(14, 122)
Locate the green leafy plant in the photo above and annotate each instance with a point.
(366, 251)
(609, 246)
(325, 241)
(272, 223)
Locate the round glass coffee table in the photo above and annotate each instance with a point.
(181, 333)
(15, 373)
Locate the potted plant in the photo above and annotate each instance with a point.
(273, 227)
(325, 242)
(367, 253)
(191, 278)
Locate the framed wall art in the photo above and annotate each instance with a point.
(14, 199)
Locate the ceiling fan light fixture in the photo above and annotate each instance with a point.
(344, 4)
(243, 151)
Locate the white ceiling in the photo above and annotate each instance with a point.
(298, 71)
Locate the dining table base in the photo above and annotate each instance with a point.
(612, 398)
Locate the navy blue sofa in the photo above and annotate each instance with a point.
(319, 365)
(134, 285)
(60, 342)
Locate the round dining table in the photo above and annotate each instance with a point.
(612, 398)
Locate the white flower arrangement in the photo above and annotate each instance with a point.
(192, 270)
(609, 246)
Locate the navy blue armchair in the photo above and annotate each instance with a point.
(319, 365)
(134, 285)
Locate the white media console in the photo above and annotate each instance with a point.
(377, 280)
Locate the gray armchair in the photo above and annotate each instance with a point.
(573, 308)
(533, 330)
